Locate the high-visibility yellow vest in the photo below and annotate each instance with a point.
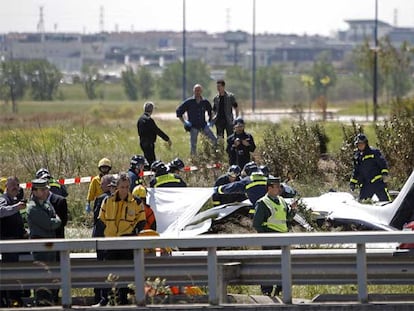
(277, 219)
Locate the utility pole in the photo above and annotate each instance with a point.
(375, 73)
(184, 56)
(254, 58)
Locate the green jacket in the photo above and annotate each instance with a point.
(42, 219)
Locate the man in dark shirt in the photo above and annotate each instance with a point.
(223, 105)
(196, 108)
(148, 132)
(240, 144)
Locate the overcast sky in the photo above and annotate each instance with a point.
(273, 16)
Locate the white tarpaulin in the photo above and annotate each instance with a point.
(174, 208)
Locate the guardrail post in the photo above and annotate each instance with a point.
(286, 272)
(65, 276)
(212, 276)
(362, 273)
(139, 276)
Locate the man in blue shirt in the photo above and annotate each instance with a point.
(196, 108)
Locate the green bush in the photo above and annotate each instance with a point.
(396, 141)
(293, 155)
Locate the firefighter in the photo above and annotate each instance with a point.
(253, 184)
(140, 192)
(232, 175)
(95, 190)
(164, 179)
(176, 166)
(370, 171)
(136, 171)
(271, 215)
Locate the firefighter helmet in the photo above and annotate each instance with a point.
(234, 171)
(43, 173)
(137, 160)
(104, 162)
(177, 163)
(250, 168)
(140, 191)
(361, 138)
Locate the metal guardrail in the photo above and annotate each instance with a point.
(289, 266)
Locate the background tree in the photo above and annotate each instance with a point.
(12, 83)
(145, 82)
(129, 81)
(240, 81)
(395, 64)
(324, 77)
(90, 81)
(170, 83)
(44, 79)
(269, 83)
(308, 82)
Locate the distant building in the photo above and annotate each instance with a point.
(156, 49)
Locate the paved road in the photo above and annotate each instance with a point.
(276, 115)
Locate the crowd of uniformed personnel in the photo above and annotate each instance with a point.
(119, 201)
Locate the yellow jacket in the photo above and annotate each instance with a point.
(122, 216)
(95, 189)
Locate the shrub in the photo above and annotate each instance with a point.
(396, 141)
(294, 155)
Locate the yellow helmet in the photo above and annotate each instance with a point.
(139, 191)
(3, 181)
(104, 162)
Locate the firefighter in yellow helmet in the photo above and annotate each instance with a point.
(95, 190)
(140, 192)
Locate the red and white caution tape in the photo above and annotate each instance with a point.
(87, 179)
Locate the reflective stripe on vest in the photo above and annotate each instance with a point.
(277, 219)
(368, 156)
(376, 178)
(165, 179)
(257, 180)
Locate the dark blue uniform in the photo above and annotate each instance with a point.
(219, 199)
(254, 186)
(369, 167)
(167, 180)
(240, 155)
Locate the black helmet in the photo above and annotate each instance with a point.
(249, 168)
(237, 121)
(234, 171)
(361, 138)
(265, 170)
(177, 163)
(137, 160)
(158, 167)
(43, 173)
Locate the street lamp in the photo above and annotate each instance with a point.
(254, 58)
(184, 56)
(375, 73)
